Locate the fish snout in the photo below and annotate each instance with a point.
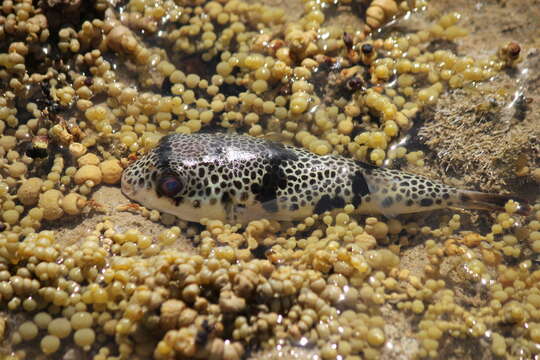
(128, 187)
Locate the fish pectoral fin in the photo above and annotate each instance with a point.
(252, 211)
(389, 212)
(379, 192)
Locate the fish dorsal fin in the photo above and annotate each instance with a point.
(212, 129)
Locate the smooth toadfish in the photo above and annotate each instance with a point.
(238, 178)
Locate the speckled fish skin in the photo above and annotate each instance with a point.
(238, 178)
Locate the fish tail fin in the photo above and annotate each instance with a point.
(393, 192)
(488, 201)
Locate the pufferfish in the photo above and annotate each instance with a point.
(239, 178)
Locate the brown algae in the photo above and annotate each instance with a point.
(86, 92)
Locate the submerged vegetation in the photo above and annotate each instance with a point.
(88, 86)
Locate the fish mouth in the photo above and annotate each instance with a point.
(127, 189)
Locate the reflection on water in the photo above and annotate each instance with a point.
(110, 284)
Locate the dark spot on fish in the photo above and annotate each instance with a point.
(409, 202)
(271, 181)
(387, 202)
(255, 188)
(326, 203)
(426, 202)
(164, 152)
(359, 188)
(274, 178)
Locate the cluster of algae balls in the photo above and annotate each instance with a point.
(113, 84)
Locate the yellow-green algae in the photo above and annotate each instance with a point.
(86, 93)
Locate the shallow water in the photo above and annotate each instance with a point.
(338, 286)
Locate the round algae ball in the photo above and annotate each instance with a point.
(84, 337)
(11, 216)
(498, 345)
(49, 201)
(382, 259)
(535, 334)
(73, 203)
(111, 170)
(28, 330)
(81, 320)
(60, 327)
(394, 226)
(380, 230)
(88, 172)
(376, 337)
(17, 169)
(299, 104)
(417, 306)
(77, 149)
(50, 344)
(536, 175)
(88, 159)
(117, 38)
(42, 320)
(28, 193)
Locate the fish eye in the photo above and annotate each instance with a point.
(170, 185)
